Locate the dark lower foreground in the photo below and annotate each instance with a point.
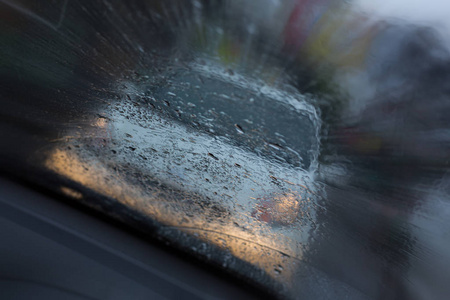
(344, 261)
(53, 251)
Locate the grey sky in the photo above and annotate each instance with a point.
(434, 13)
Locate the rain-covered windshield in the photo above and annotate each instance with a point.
(302, 146)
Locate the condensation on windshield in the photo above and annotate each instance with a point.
(301, 145)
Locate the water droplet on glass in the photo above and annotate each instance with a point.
(239, 128)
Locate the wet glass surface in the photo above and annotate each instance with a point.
(300, 145)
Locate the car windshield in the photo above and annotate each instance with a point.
(301, 146)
